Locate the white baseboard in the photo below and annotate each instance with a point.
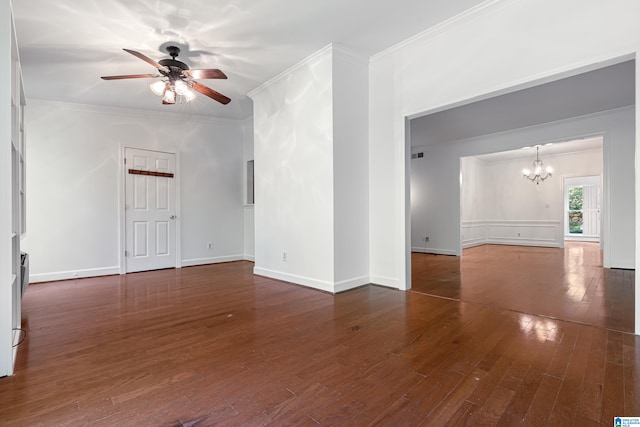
(345, 285)
(212, 260)
(292, 278)
(334, 288)
(107, 271)
(435, 251)
(389, 282)
(473, 242)
(525, 242)
(574, 238)
(249, 258)
(73, 274)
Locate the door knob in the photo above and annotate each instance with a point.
(172, 217)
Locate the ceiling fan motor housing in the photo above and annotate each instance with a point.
(173, 62)
(169, 63)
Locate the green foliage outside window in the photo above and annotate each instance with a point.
(575, 210)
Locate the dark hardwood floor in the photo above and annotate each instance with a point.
(566, 284)
(217, 345)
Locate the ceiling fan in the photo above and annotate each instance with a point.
(177, 79)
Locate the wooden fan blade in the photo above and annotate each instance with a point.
(205, 74)
(146, 59)
(130, 76)
(209, 92)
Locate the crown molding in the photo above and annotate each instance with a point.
(446, 25)
(119, 111)
(316, 56)
(349, 54)
(327, 51)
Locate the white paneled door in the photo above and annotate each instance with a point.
(150, 206)
(591, 210)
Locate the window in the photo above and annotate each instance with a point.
(575, 210)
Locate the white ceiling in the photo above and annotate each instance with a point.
(65, 46)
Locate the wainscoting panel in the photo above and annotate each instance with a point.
(474, 233)
(517, 232)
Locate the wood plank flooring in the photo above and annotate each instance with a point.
(567, 284)
(217, 346)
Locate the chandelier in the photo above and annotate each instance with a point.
(539, 172)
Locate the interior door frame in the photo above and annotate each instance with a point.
(565, 186)
(122, 261)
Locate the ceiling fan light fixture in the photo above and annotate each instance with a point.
(158, 87)
(189, 95)
(181, 87)
(169, 96)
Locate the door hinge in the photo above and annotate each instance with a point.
(126, 253)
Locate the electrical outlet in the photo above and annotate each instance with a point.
(284, 257)
(209, 245)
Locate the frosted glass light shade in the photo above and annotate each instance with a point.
(158, 87)
(169, 96)
(189, 95)
(181, 87)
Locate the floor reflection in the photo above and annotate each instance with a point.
(565, 284)
(541, 328)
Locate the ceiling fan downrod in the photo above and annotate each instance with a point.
(173, 51)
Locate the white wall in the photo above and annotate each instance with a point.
(249, 217)
(474, 186)
(351, 170)
(512, 197)
(73, 179)
(293, 150)
(311, 166)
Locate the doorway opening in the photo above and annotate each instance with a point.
(582, 201)
(498, 206)
(499, 214)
